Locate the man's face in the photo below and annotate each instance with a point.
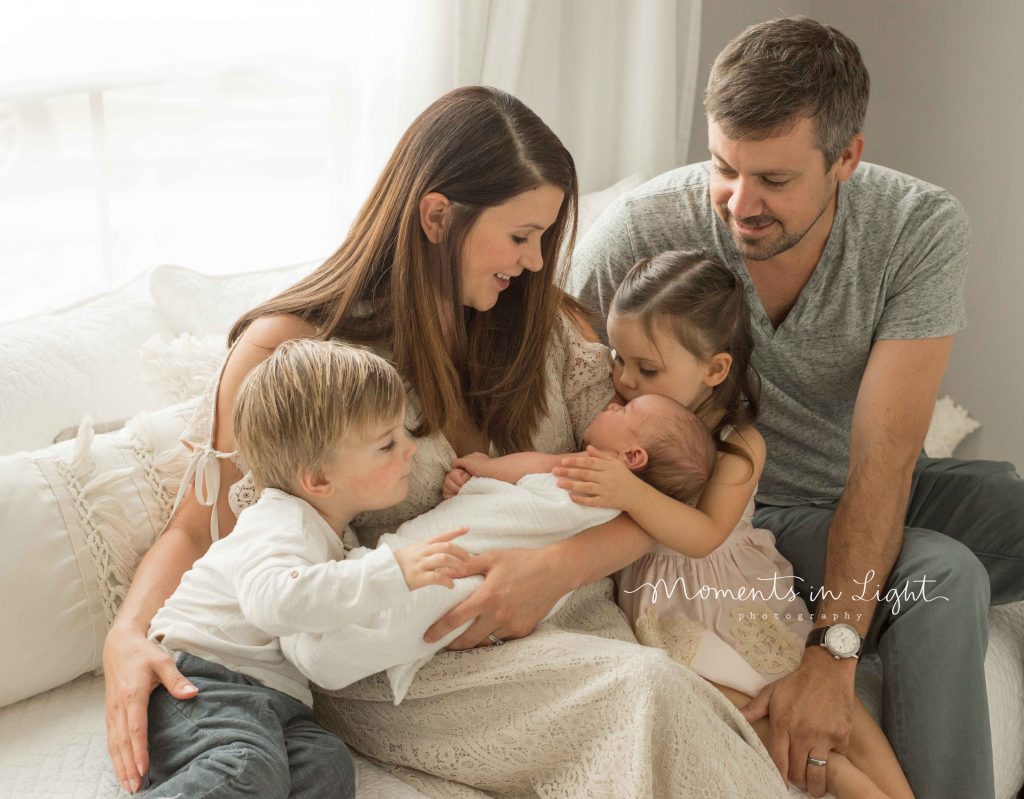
(773, 193)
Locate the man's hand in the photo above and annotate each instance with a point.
(454, 481)
(810, 713)
(519, 589)
(434, 561)
(133, 667)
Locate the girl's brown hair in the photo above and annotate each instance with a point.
(700, 301)
(389, 287)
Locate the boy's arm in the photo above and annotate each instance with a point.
(509, 468)
(288, 586)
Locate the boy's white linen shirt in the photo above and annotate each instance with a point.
(282, 571)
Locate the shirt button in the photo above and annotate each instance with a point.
(294, 573)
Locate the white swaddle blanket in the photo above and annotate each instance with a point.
(532, 513)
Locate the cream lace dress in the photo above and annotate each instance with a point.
(576, 709)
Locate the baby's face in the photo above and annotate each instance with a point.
(617, 428)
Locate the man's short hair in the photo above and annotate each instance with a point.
(294, 408)
(778, 71)
(681, 455)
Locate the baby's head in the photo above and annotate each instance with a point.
(660, 440)
(315, 411)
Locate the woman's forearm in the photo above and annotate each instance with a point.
(157, 576)
(599, 551)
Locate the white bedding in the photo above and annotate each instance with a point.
(53, 746)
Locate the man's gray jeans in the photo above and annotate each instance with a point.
(964, 530)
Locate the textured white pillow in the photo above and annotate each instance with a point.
(182, 367)
(592, 205)
(76, 517)
(83, 359)
(201, 304)
(950, 425)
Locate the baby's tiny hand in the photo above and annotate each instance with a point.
(472, 463)
(435, 561)
(454, 481)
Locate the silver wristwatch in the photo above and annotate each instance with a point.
(842, 640)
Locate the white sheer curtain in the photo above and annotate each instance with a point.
(615, 80)
(232, 135)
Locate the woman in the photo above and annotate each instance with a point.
(444, 272)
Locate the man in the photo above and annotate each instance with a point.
(854, 276)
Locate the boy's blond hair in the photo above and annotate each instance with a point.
(295, 407)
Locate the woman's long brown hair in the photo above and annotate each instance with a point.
(388, 287)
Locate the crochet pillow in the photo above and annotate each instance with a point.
(76, 518)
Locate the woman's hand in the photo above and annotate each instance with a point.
(598, 480)
(454, 481)
(520, 587)
(133, 666)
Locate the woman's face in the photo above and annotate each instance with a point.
(505, 240)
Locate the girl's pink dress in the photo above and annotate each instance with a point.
(733, 617)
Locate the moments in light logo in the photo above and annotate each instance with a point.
(894, 597)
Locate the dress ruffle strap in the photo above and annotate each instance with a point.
(204, 470)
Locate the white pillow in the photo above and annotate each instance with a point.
(76, 518)
(182, 367)
(201, 304)
(950, 425)
(592, 205)
(82, 359)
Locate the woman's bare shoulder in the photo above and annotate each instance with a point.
(255, 345)
(267, 332)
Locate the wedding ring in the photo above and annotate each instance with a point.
(815, 762)
(494, 639)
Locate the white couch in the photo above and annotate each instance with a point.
(75, 516)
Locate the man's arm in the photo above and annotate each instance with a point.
(890, 420)
(811, 709)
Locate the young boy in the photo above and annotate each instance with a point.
(320, 425)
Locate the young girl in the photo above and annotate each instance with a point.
(715, 593)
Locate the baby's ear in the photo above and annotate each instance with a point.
(717, 369)
(635, 458)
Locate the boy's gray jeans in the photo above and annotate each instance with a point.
(238, 738)
(964, 530)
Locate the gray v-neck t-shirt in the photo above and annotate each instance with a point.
(893, 268)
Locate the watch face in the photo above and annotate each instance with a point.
(842, 640)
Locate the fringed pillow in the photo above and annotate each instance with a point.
(76, 519)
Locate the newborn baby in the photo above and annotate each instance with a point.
(507, 502)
